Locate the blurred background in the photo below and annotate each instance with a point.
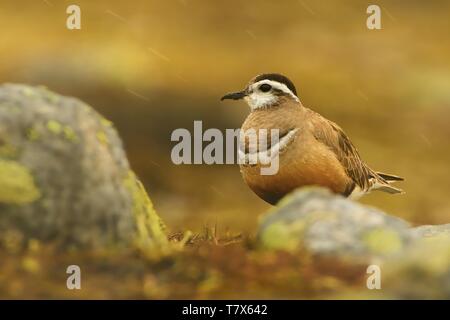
(155, 66)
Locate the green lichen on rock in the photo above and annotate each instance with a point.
(101, 137)
(383, 241)
(421, 271)
(282, 236)
(27, 91)
(70, 134)
(73, 186)
(150, 233)
(54, 127)
(324, 223)
(105, 122)
(17, 184)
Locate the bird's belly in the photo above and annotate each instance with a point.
(298, 167)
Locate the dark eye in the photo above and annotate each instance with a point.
(265, 87)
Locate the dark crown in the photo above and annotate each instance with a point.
(276, 77)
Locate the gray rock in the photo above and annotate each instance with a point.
(432, 230)
(422, 271)
(64, 175)
(414, 262)
(325, 223)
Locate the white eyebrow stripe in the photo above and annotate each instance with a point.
(277, 85)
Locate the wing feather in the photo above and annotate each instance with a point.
(330, 134)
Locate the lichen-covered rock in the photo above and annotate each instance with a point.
(325, 223)
(64, 175)
(422, 271)
(414, 262)
(432, 230)
(16, 184)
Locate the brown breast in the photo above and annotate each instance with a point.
(305, 161)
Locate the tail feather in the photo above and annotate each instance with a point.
(389, 177)
(387, 188)
(383, 183)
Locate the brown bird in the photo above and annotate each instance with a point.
(312, 150)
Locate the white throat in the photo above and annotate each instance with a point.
(260, 100)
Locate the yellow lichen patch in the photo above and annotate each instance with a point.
(282, 236)
(151, 236)
(105, 122)
(54, 127)
(28, 91)
(420, 271)
(383, 241)
(16, 184)
(102, 138)
(53, 98)
(70, 134)
(439, 261)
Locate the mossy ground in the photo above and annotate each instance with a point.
(209, 266)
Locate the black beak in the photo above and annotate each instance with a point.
(234, 95)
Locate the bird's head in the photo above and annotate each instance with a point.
(265, 91)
